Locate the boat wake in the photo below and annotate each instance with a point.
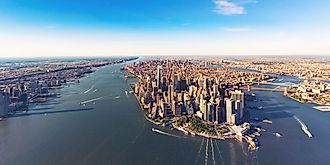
(88, 90)
(206, 151)
(220, 154)
(163, 133)
(117, 97)
(303, 126)
(212, 150)
(199, 151)
(92, 100)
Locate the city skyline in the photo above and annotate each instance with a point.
(208, 27)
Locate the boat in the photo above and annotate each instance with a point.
(267, 121)
(126, 92)
(260, 108)
(278, 134)
(303, 127)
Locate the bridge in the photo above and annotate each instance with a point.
(263, 89)
(283, 84)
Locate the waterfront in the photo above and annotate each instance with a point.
(114, 131)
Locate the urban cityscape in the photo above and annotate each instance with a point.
(139, 82)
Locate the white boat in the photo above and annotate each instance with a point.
(278, 134)
(303, 127)
(260, 108)
(267, 121)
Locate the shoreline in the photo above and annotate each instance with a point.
(252, 144)
(61, 87)
(295, 99)
(194, 133)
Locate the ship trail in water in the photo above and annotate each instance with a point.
(212, 150)
(303, 126)
(199, 152)
(117, 97)
(220, 154)
(92, 100)
(206, 151)
(88, 90)
(164, 133)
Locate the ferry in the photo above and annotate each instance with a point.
(267, 121)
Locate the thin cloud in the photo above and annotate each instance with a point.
(230, 7)
(226, 7)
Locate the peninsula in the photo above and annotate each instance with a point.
(196, 98)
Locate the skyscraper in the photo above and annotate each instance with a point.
(4, 103)
(229, 110)
(239, 109)
(238, 95)
(158, 76)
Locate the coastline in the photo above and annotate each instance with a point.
(231, 134)
(295, 99)
(188, 131)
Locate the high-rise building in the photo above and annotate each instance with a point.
(203, 107)
(209, 112)
(238, 95)
(217, 114)
(229, 110)
(158, 77)
(170, 93)
(4, 103)
(239, 109)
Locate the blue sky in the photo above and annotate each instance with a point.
(164, 27)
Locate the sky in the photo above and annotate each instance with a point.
(39, 28)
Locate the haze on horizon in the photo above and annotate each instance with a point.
(163, 27)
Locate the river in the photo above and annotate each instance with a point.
(110, 129)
